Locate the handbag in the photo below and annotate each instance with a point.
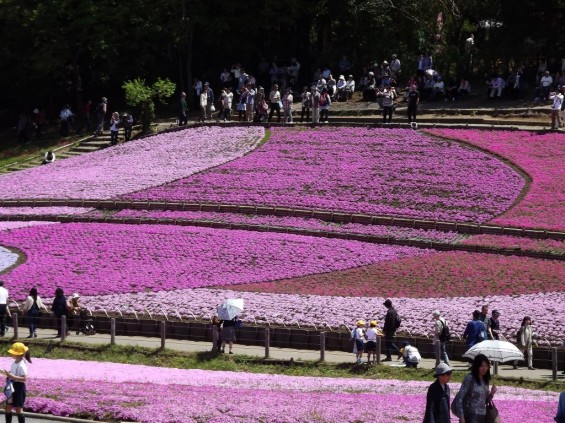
(212, 108)
(9, 389)
(492, 413)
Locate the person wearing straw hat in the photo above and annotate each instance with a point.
(358, 335)
(15, 389)
(438, 397)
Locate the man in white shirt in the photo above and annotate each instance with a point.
(545, 85)
(395, 66)
(3, 308)
(556, 110)
(411, 355)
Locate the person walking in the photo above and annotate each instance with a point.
(127, 123)
(441, 331)
(525, 342)
(306, 104)
(17, 377)
(493, 325)
(324, 102)
(101, 110)
(204, 104)
(358, 336)
(4, 309)
(32, 308)
(228, 333)
(59, 309)
(315, 105)
(288, 101)
(183, 110)
(371, 345)
(470, 403)
(438, 398)
(114, 128)
(413, 99)
(250, 103)
(391, 325)
(210, 102)
(227, 100)
(484, 315)
(560, 416)
(556, 107)
(475, 331)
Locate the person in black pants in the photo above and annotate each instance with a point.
(392, 322)
(413, 100)
(4, 310)
(59, 308)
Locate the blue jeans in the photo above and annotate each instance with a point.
(32, 316)
(443, 352)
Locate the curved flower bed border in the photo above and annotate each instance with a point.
(373, 239)
(328, 216)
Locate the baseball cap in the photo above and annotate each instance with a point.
(442, 369)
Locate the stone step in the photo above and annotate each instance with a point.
(85, 149)
(96, 143)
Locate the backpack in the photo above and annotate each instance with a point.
(445, 335)
(323, 100)
(397, 321)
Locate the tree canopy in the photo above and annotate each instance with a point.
(56, 51)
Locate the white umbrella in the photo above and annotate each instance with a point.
(498, 351)
(230, 309)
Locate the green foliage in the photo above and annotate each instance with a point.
(139, 94)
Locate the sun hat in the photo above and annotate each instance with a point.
(341, 77)
(436, 313)
(373, 323)
(360, 323)
(75, 295)
(442, 369)
(18, 349)
(371, 73)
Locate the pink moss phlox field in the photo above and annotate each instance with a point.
(6, 226)
(96, 259)
(10, 211)
(132, 166)
(127, 392)
(296, 222)
(515, 242)
(547, 309)
(541, 156)
(381, 172)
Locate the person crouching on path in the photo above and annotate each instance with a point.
(438, 397)
(358, 336)
(18, 377)
(371, 346)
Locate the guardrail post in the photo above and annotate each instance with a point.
(113, 331)
(379, 347)
(63, 327)
(163, 328)
(495, 368)
(322, 346)
(214, 337)
(554, 364)
(437, 350)
(15, 324)
(267, 342)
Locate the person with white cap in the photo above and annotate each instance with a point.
(441, 335)
(438, 397)
(73, 308)
(340, 89)
(358, 335)
(15, 389)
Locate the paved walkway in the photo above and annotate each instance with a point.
(284, 353)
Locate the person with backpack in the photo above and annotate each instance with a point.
(325, 103)
(32, 308)
(475, 331)
(358, 335)
(16, 378)
(391, 325)
(441, 335)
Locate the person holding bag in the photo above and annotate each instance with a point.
(32, 307)
(473, 402)
(16, 378)
(525, 341)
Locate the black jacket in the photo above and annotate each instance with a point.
(390, 321)
(437, 404)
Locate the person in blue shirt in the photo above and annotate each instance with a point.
(475, 331)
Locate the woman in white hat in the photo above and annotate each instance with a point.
(15, 389)
(73, 308)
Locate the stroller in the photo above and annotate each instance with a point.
(261, 112)
(85, 324)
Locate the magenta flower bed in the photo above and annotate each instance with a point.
(541, 156)
(127, 392)
(96, 259)
(382, 172)
(547, 309)
(515, 242)
(132, 166)
(295, 222)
